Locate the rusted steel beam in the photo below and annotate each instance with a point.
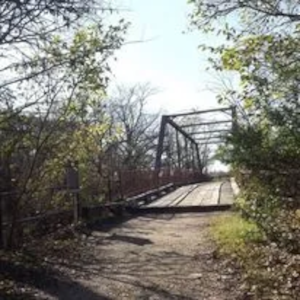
(210, 131)
(179, 209)
(211, 142)
(200, 112)
(199, 158)
(186, 153)
(206, 123)
(178, 148)
(193, 157)
(209, 138)
(160, 145)
(179, 128)
(234, 118)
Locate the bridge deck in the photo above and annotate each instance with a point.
(202, 194)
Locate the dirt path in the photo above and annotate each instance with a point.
(161, 257)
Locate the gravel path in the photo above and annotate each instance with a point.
(154, 257)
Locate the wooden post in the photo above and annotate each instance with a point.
(73, 187)
(1, 223)
(7, 207)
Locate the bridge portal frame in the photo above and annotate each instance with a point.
(193, 143)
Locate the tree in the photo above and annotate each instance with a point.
(26, 26)
(52, 82)
(251, 16)
(266, 63)
(137, 130)
(265, 57)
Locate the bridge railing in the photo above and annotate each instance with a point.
(129, 183)
(132, 185)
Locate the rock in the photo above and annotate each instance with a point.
(195, 276)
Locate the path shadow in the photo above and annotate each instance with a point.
(46, 280)
(148, 292)
(108, 224)
(130, 239)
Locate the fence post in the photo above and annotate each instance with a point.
(7, 208)
(74, 188)
(1, 223)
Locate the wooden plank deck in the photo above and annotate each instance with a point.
(195, 195)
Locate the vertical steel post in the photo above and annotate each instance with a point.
(186, 153)
(160, 148)
(198, 158)
(161, 139)
(72, 179)
(193, 156)
(178, 150)
(234, 118)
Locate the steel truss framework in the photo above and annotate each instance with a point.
(182, 136)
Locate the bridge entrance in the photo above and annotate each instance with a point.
(186, 143)
(185, 139)
(179, 181)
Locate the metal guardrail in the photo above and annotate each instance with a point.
(129, 205)
(180, 209)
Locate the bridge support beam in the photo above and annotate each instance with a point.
(160, 146)
(188, 142)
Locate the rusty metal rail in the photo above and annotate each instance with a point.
(179, 209)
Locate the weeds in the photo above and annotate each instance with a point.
(268, 271)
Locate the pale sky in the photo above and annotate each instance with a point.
(168, 59)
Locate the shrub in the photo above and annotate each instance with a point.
(268, 272)
(232, 233)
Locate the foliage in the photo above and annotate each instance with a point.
(135, 129)
(54, 79)
(276, 215)
(267, 66)
(232, 233)
(268, 272)
(41, 264)
(265, 141)
(261, 48)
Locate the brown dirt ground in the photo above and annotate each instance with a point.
(149, 257)
(156, 257)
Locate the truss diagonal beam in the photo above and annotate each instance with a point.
(182, 131)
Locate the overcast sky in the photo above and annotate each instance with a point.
(168, 59)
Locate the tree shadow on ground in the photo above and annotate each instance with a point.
(46, 280)
(130, 239)
(106, 225)
(152, 291)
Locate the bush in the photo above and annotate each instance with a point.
(268, 272)
(277, 216)
(232, 233)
